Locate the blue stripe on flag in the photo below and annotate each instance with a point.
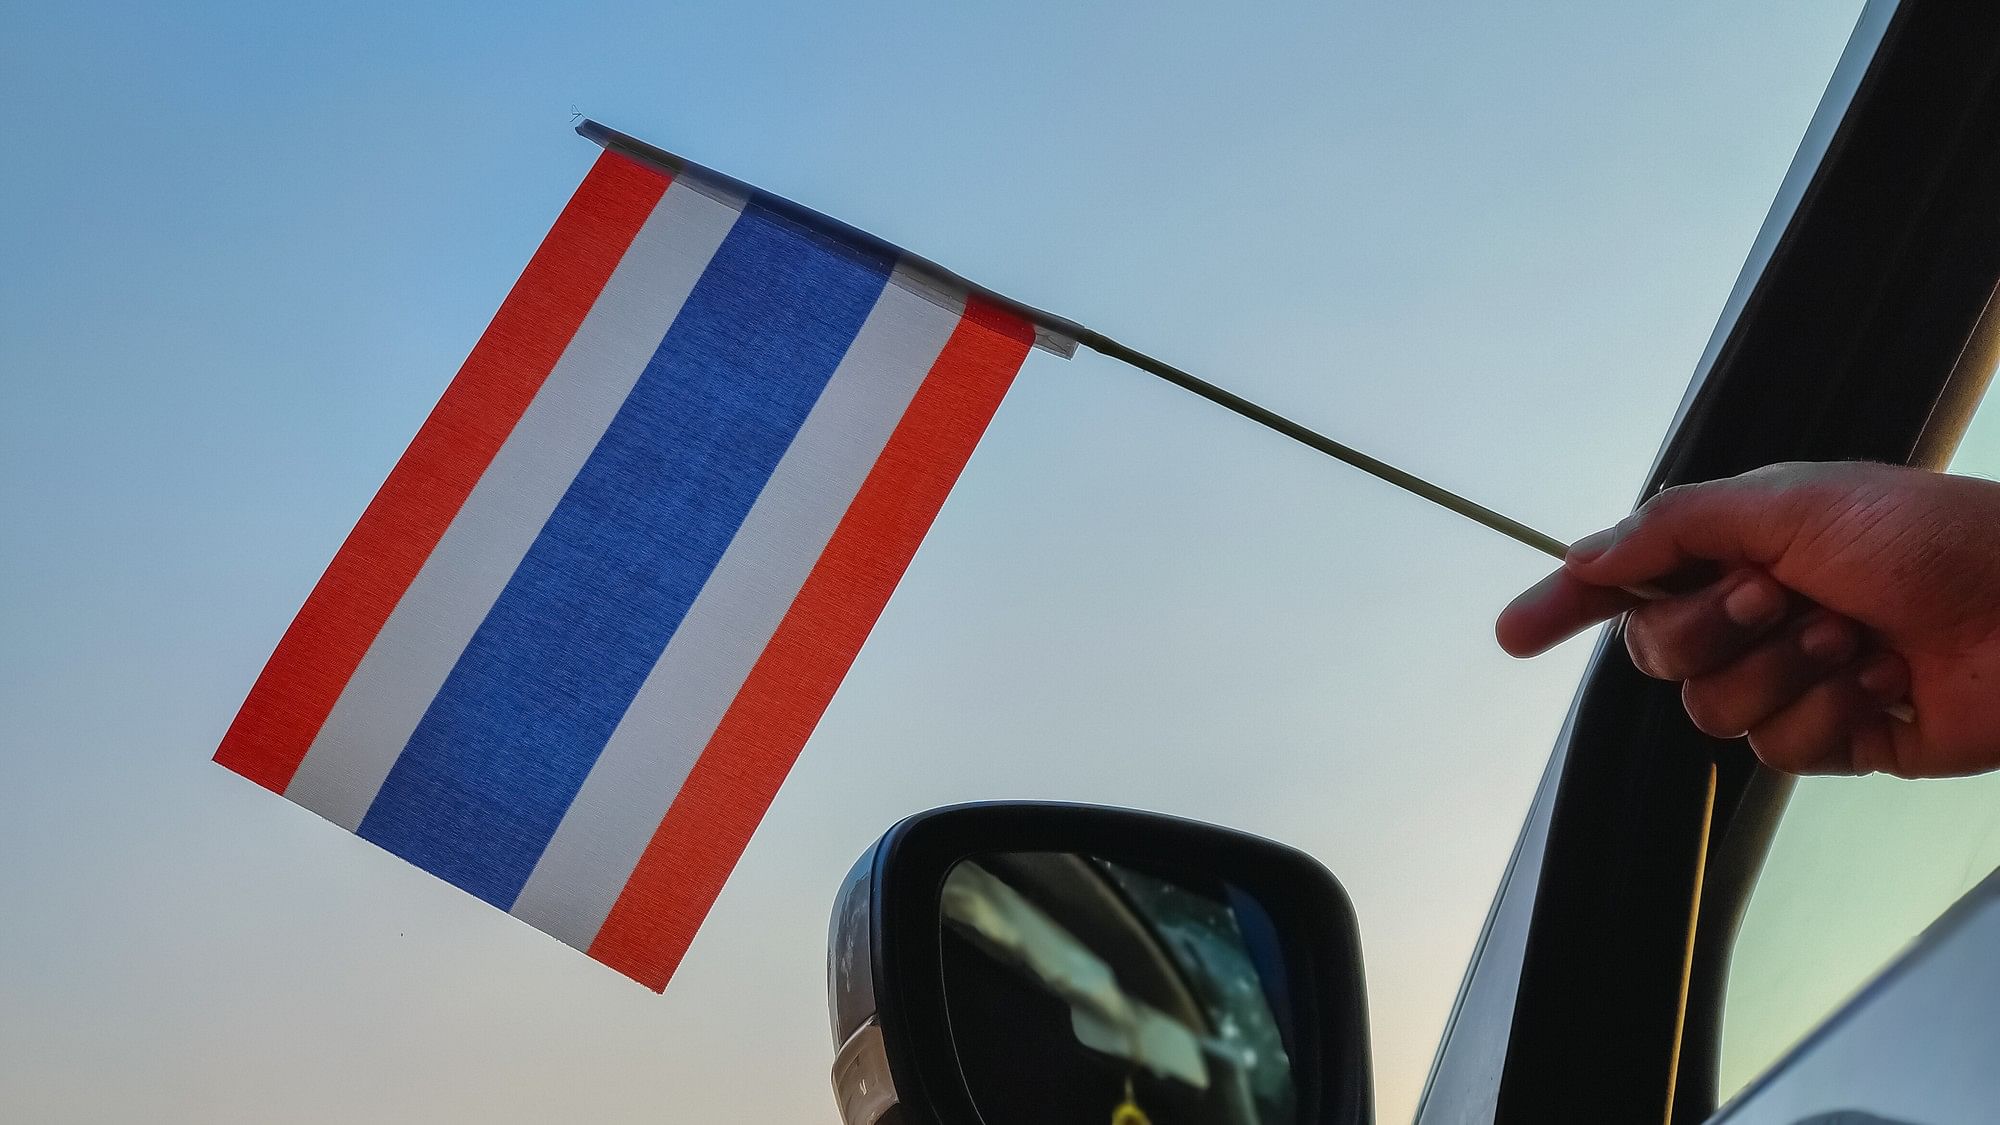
(503, 748)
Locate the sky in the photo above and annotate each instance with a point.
(246, 246)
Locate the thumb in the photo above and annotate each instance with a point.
(1750, 519)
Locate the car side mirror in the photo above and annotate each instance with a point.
(1041, 964)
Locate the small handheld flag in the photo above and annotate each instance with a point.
(574, 644)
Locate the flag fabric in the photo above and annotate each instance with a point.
(577, 640)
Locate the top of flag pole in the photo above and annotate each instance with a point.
(1053, 334)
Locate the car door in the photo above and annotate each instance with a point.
(1860, 328)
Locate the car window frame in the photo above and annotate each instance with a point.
(1852, 335)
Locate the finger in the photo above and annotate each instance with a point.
(1683, 637)
(1729, 701)
(1814, 734)
(1554, 610)
(1751, 518)
(1878, 741)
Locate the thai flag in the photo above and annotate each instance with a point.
(575, 643)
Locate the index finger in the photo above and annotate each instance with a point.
(1556, 609)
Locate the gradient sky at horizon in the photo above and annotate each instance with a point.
(247, 246)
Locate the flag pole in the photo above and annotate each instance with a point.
(1061, 335)
(1409, 482)
(1478, 513)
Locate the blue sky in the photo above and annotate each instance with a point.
(247, 245)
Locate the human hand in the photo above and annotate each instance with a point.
(1844, 588)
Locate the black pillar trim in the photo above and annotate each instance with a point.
(1841, 352)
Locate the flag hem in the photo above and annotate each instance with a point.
(1053, 334)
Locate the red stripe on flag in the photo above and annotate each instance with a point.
(737, 776)
(402, 525)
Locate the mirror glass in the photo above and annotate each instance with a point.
(1082, 990)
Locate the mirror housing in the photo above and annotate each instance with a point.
(899, 1062)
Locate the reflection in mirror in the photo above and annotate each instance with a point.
(1081, 990)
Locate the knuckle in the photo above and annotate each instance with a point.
(1667, 512)
(1665, 502)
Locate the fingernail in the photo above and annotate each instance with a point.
(1753, 604)
(1591, 546)
(1828, 641)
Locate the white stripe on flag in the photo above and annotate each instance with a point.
(677, 710)
(433, 622)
